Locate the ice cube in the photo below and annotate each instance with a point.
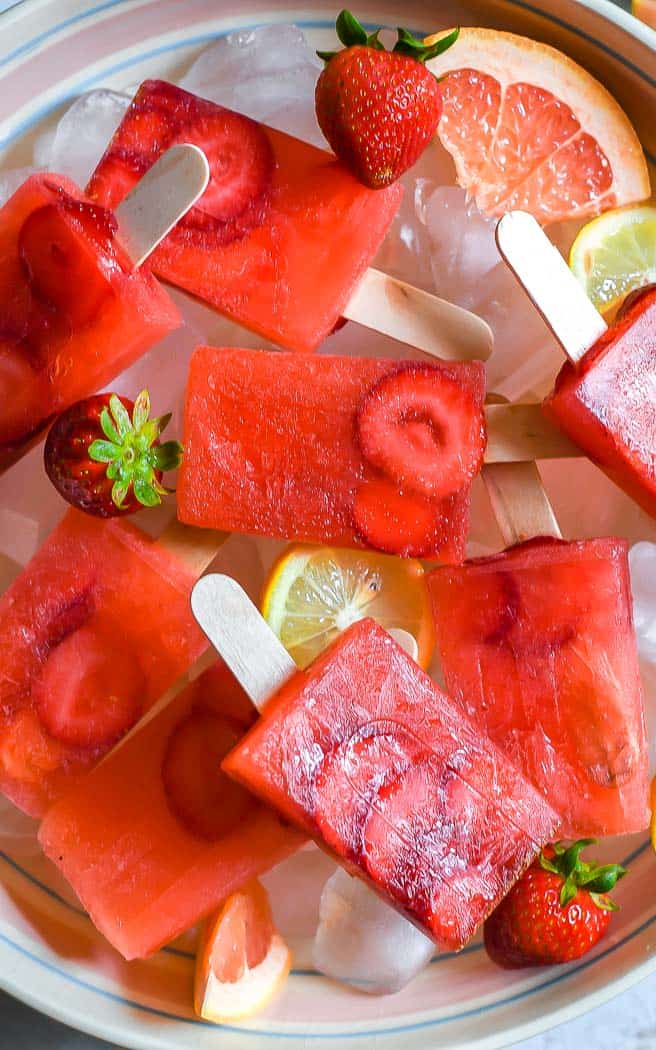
(10, 180)
(82, 135)
(642, 564)
(267, 73)
(363, 942)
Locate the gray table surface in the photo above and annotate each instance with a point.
(626, 1023)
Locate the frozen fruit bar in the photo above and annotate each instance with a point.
(73, 314)
(363, 752)
(538, 645)
(96, 627)
(157, 836)
(283, 234)
(605, 402)
(344, 450)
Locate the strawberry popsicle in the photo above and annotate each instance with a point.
(157, 836)
(283, 237)
(91, 633)
(344, 450)
(74, 310)
(537, 643)
(363, 752)
(603, 397)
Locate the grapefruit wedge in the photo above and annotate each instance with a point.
(528, 128)
(242, 960)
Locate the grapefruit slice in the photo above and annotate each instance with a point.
(242, 960)
(528, 128)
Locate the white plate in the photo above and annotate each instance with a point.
(50, 955)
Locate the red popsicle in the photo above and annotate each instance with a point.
(344, 450)
(603, 398)
(282, 240)
(363, 752)
(91, 634)
(537, 643)
(157, 836)
(73, 310)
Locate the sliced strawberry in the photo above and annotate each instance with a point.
(239, 153)
(200, 795)
(88, 692)
(26, 750)
(390, 520)
(350, 778)
(423, 429)
(62, 262)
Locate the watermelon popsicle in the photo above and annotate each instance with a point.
(91, 633)
(603, 397)
(537, 643)
(344, 450)
(364, 753)
(156, 836)
(75, 309)
(282, 240)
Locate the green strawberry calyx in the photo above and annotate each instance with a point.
(135, 459)
(598, 880)
(352, 33)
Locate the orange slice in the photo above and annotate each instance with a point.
(653, 813)
(242, 960)
(528, 128)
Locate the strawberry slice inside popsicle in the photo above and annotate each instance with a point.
(422, 429)
(201, 796)
(390, 520)
(89, 690)
(22, 387)
(62, 263)
(238, 151)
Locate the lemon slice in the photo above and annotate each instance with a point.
(614, 254)
(242, 960)
(312, 594)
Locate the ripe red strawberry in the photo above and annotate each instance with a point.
(103, 455)
(378, 109)
(557, 911)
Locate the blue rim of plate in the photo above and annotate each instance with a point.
(83, 85)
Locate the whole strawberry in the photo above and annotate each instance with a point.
(104, 456)
(378, 109)
(557, 911)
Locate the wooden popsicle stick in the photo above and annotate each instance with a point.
(159, 200)
(549, 283)
(521, 432)
(196, 548)
(234, 626)
(419, 319)
(519, 502)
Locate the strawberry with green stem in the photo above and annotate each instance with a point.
(104, 456)
(379, 109)
(556, 912)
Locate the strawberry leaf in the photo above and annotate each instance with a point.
(141, 410)
(119, 492)
(120, 415)
(410, 45)
(108, 428)
(146, 494)
(567, 892)
(104, 451)
(350, 31)
(603, 902)
(168, 455)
